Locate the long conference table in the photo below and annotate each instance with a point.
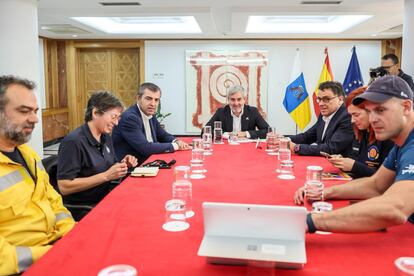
(125, 228)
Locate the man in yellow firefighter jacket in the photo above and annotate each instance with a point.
(32, 216)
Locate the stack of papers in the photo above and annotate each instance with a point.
(145, 171)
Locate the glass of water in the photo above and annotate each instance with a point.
(217, 124)
(175, 216)
(198, 143)
(314, 184)
(405, 265)
(207, 129)
(284, 143)
(197, 164)
(272, 143)
(285, 165)
(118, 270)
(182, 188)
(218, 136)
(208, 149)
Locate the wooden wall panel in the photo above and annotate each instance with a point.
(125, 74)
(62, 79)
(55, 126)
(392, 46)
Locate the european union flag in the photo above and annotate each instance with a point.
(353, 78)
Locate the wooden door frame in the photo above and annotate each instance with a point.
(73, 48)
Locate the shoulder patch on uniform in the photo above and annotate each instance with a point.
(373, 153)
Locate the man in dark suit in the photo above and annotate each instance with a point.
(239, 117)
(139, 133)
(332, 133)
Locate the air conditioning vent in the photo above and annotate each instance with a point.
(321, 2)
(120, 4)
(64, 29)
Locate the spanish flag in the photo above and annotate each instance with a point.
(326, 75)
(296, 99)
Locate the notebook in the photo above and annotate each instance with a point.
(236, 234)
(145, 171)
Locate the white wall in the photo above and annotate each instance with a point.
(168, 58)
(19, 49)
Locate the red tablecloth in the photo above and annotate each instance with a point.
(126, 227)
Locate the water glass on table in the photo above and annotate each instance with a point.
(313, 185)
(207, 141)
(118, 270)
(182, 188)
(404, 266)
(175, 216)
(197, 164)
(285, 165)
(198, 143)
(284, 143)
(218, 136)
(272, 143)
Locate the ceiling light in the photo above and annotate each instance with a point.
(143, 25)
(303, 24)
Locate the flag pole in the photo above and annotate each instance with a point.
(296, 125)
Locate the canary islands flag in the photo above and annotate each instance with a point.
(296, 99)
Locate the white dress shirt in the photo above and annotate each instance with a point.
(237, 122)
(147, 126)
(327, 120)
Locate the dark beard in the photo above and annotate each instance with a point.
(9, 131)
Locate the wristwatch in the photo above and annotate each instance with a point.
(296, 148)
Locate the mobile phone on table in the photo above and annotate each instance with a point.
(327, 155)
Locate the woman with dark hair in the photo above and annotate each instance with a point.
(87, 166)
(366, 154)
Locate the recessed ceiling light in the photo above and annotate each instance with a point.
(303, 23)
(143, 25)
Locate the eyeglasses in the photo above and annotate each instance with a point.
(325, 99)
(387, 67)
(113, 116)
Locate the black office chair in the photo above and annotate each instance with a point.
(78, 211)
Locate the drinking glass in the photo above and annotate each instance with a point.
(197, 164)
(182, 188)
(208, 150)
(207, 129)
(284, 143)
(217, 124)
(285, 165)
(218, 136)
(404, 266)
(271, 143)
(175, 216)
(118, 270)
(198, 143)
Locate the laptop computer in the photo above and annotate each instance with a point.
(237, 234)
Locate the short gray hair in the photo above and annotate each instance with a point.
(236, 89)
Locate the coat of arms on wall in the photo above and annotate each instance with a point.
(209, 75)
